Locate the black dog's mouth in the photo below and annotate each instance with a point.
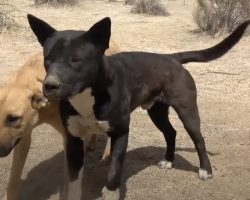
(64, 93)
(56, 95)
(59, 96)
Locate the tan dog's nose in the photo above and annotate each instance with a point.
(4, 150)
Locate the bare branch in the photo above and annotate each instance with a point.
(224, 73)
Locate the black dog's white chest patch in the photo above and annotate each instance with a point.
(85, 123)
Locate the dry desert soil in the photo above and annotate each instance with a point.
(223, 97)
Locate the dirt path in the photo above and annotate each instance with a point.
(224, 103)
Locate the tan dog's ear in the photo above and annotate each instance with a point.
(38, 101)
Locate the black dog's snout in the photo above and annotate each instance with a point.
(51, 85)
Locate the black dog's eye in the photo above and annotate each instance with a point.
(46, 63)
(13, 120)
(75, 60)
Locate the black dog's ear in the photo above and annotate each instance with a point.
(99, 33)
(41, 29)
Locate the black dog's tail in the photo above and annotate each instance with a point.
(215, 51)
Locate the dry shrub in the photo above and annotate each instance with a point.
(220, 16)
(56, 2)
(7, 16)
(130, 2)
(150, 7)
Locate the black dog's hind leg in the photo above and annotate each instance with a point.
(191, 120)
(184, 100)
(159, 115)
(75, 160)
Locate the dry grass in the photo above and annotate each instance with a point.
(7, 16)
(150, 7)
(220, 16)
(56, 2)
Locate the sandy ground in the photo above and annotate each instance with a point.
(223, 96)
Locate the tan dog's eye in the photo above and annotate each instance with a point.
(13, 121)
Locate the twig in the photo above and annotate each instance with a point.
(224, 73)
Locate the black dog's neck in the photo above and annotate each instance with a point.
(102, 81)
(101, 93)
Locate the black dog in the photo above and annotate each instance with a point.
(114, 86)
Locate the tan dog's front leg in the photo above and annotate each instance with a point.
(18, 161)
(92, 143)
(106, 152)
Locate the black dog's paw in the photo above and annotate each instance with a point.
(110, 195)
(164, 164)
(204, 175)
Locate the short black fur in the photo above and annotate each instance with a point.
(122, 82)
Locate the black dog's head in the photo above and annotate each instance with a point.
(71, 58)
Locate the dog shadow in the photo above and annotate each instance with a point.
(46, 179)
(43, 180)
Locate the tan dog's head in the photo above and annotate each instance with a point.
(18, 115)
(20, 101)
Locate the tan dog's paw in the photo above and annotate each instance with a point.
(110, 195)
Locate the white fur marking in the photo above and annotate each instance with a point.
(204, 175)
(73, 125)
(164, 164)
(83, 103)
(110, 195)
(103, 125)
(85, 123)
(75, 187)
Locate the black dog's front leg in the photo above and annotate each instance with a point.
(75, 160)
(119, 143)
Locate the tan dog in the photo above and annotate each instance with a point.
(19, 117)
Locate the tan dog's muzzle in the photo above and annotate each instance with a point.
(7, 143)
(5, 149)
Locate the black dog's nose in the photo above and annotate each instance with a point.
(51, 85)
